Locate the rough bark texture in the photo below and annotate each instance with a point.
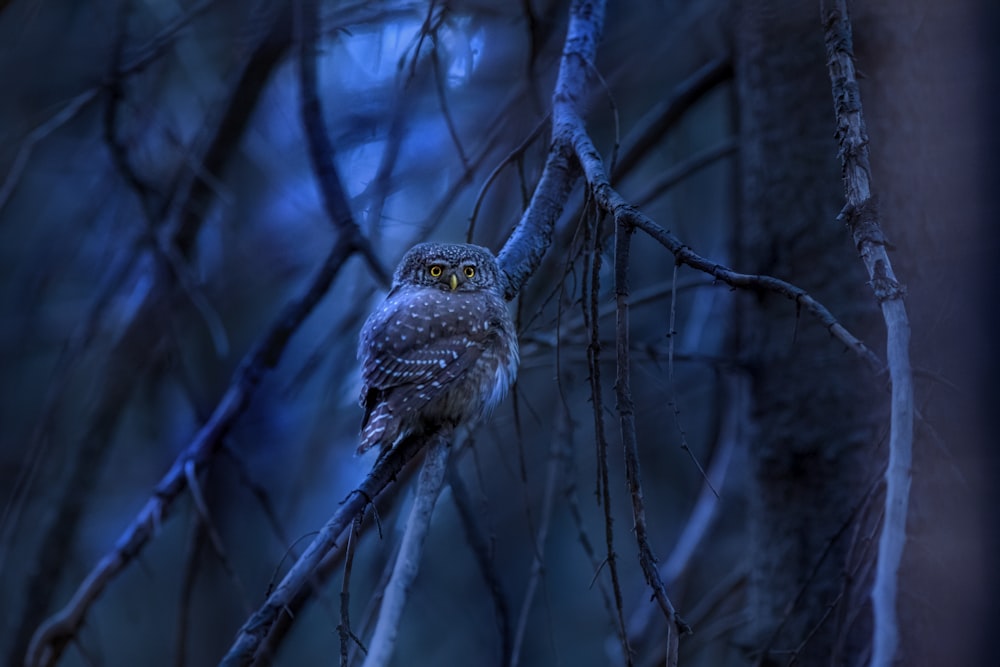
(819, 414)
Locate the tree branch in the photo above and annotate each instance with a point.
(321, 152)
(861, 216)
(609, 199)
(256, 628)
(429, 485)
(52, 636)
(532, 236)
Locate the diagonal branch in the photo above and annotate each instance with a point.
(256, 628)
(321, 152)
(527, 244)
(52, 637)
(861, 216)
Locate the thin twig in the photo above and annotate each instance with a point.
(861, 215)
(603, 491)
(407, 564)
(470, 231)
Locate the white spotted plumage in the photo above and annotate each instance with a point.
(440, 349)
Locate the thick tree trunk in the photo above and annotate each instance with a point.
(819, 413)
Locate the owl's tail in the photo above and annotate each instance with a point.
(373, 431)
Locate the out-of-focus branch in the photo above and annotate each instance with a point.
(195, 196)
(407, 564)
(861, 216)
(52, 637)
(658, 120)
(321, 152)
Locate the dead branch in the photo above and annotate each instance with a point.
(592, 319)
(609, 199)
(861, 216)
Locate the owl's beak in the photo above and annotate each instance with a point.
(453, 281)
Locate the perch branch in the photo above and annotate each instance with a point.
(256, 628)
(532, 236)
(861, 216)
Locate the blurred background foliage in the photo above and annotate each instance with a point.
(157, 209)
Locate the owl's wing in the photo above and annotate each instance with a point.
(426, 368)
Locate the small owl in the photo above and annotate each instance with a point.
(441, 349)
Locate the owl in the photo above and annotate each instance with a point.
(440, 350)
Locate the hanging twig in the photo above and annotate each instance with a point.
(626, 414)
(861, 215)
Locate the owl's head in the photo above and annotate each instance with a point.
(451, 267)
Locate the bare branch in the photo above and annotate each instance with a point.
(256, 628)
(429, 486)
(526, 246)
(658, 120)
(321, 151)
(611, 201)
(344, 628)
(51, 638)
(862, 219)
(592, 318)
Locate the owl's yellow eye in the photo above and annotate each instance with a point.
(469, 271)
(435, 270)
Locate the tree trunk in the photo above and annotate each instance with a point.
(819, 413)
